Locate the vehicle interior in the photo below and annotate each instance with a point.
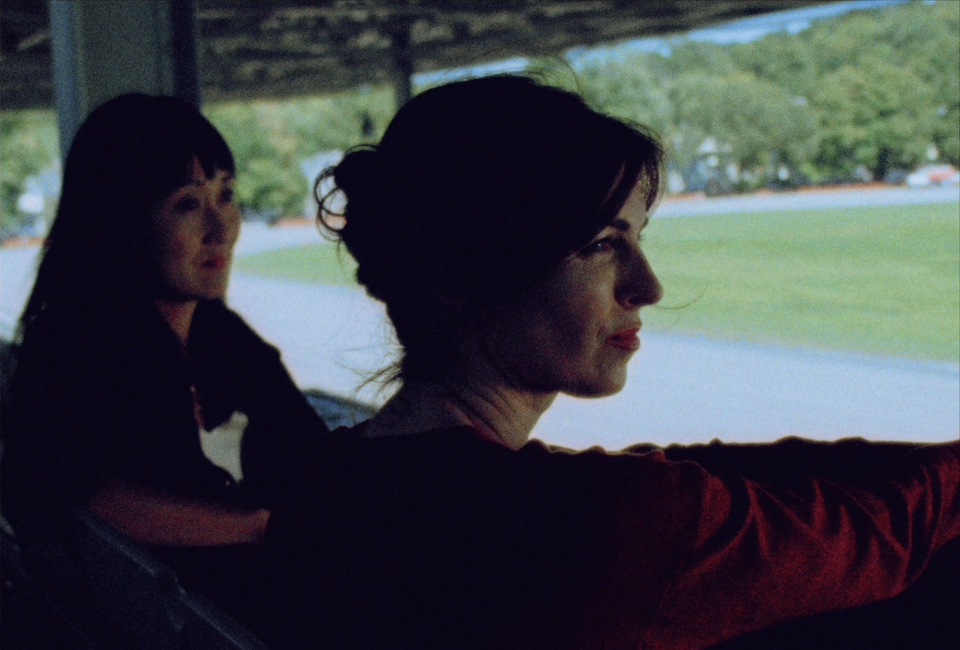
(106, 591)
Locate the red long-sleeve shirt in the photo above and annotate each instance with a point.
(445, 540)
(764, 553)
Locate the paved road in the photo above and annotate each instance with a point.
(809, 200)
(16, 278)
(684, 389)
(681, 389)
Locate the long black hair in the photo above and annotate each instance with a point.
(128, 155)
(476, 191)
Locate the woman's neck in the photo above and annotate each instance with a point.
(499, 412)
(179, 316)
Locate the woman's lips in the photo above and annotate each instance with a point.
(217, 262)
(625, 340)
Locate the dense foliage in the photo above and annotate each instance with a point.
(877, 90)
(28, 144)
(857, 96)
(269, 139)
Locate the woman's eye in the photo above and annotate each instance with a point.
(599, 246)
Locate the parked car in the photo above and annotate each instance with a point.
(931, 175)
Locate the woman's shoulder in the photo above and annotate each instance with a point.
(446, 443)
(458, 457)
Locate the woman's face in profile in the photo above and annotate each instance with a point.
(197, 226)
(575, 332)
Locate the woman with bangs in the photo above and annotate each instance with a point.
(137, 392)
(500, 221)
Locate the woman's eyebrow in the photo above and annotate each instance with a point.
(623, 225)
(200, 182)
(620, 224)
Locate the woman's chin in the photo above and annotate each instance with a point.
(600, 387)
(213, 290)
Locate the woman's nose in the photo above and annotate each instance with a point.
(639, 286)
(223, 223)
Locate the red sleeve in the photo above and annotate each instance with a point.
(764, 554)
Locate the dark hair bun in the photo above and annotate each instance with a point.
(363, 225)
(357, 174)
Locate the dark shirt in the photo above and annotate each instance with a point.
(445, 540)
(94, 401)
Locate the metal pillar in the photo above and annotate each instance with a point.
(402, 66)
(102, 49)
(186, 70)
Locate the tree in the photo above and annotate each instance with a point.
(268, 179)
(627, 88)
(269, 139)
(699, 57)
(874, 114)
(786, 60)
(28, 142)
(756, 125)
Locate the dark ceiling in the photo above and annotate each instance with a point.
(283, 48)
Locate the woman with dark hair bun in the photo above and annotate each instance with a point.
(137, 391)
(500, 222)
(445, 224)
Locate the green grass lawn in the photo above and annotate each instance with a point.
(882, 280)
(320, 263)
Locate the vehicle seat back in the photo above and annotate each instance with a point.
(206, 627)
(137, 596)
(141, 601)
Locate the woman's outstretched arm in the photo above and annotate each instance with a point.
(151, 516)
(764, 553)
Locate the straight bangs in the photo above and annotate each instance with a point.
(211, 149)
(175, 169)
(198, 140)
